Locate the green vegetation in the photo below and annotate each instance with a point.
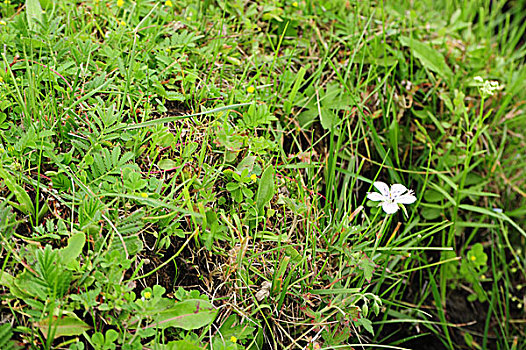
(195, 174)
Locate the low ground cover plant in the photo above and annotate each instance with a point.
(262, 175)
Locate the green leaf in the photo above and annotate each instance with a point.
(166, 164)
(34, 12)
(476, 255)
(190, 149)
(247, 163)
(6, 279)
(431, 213)
(433, 196)
(233, 327)
(293, 254)
(25, 204)
(62, 327)
(292, 95)
(493, 214)
(368, 267)
(182, 345)
(174, 96)
(367, 324)
(232, 186)
(189, 314)
(257, 115)
(328, 118)
(468, 338)
(133, 180)
(6, 333)
(334, 291)
(73, 249)
(265, 189)
(472, 297)
(394, 138)
(9, 281)
(110, 338)
(429, 57)
(247, 192)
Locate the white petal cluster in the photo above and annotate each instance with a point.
(391, 198)
(487, 87)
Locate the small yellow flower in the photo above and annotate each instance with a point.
(188, 18)
(295, 4)
(168, 3)
(3, 23)
(253, 177)
(144, 195)
(251, 89)
(147, 295)
(122, 23)
(120, 3)
(233, 339)
(10, 149)
(473, 258)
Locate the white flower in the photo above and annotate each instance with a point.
(398, 194)
(487, 87)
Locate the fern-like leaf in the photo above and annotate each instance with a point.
(106, 164)
(128, 228)
(131, 224)
(52, 276)
(6, 333)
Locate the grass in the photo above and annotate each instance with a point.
(194, 174)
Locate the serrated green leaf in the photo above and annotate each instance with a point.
(368, 267)
(6, 333)
(367, 324)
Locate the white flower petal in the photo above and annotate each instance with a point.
(397, 190)
(406, 199)
(375, 196)
(390, 207)
(382, 187)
